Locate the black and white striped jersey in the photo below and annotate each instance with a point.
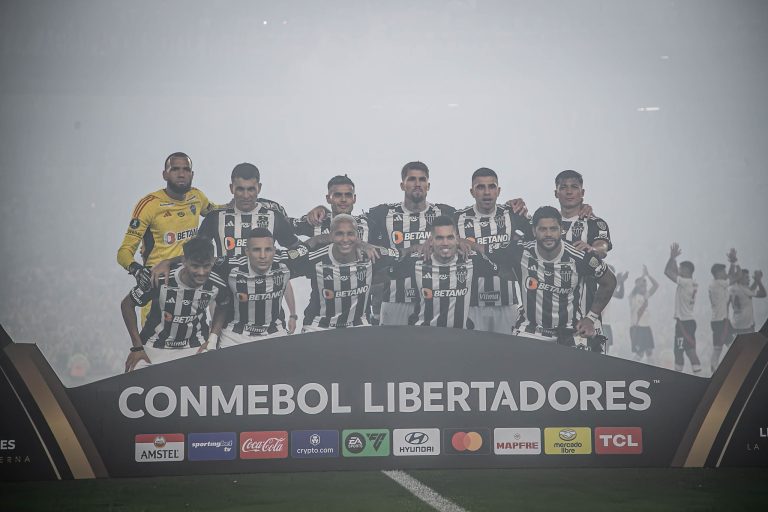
(229, 228)
(551, 289)
(444, 289)
(177, 317)
(340, 291)
(588, 230)
(395, 227)
(256, 306)
(493, 231)
(303, 228)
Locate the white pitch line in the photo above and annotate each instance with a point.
(423, 492)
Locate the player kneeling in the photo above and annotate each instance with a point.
(257, 281)
(176, 326)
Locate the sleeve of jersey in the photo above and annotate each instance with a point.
(507, 258)
(524, 225)
(140, 221)
(297, 260)
(209, 226)
(448, 211)
(484, 266)
(143, 292)
(284, 231)
(588, 262)
(598, 230)
(218, 276)
(301, 227)
(387, 258)
(403, 268)
(377, 229)
(206, 205)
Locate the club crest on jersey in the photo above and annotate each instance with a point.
(362, 273)
(135, 223)
(602, 225)
(577, 229)
(278, 278)
(429, 218)
(461, 275)
(566, 275)
(262, 221)
(193, 209)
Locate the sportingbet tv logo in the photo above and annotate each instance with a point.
(365, 443)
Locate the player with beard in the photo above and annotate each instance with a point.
(342, 275)
(342, 198)
(176, 326)
(494, 304)
(445, 279)
(552, 273)
(401, 226)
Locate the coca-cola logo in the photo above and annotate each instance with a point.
(264, 445)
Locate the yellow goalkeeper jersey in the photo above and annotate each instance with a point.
(163, 224)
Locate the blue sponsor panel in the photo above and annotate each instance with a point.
(212, 446)
(306, 444)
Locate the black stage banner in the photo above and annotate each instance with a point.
(382, 398)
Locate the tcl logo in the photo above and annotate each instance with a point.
(7, 444)
(618, 440)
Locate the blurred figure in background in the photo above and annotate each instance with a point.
(640, 333)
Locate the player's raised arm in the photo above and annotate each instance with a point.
(671, 270)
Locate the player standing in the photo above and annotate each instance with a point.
(741, 295)
(176, 326)
(342, 198)
(685, 299)
(640, 333)
(493, 305)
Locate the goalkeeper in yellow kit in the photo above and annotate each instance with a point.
(165, 219)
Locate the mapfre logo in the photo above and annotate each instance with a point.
(517, 441)
(618, 440)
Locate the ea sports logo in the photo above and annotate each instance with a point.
(170, 238)
(397, 237)
(426, 293)
(532, 283)
(328, 294)
(466, 441)
(230, 243)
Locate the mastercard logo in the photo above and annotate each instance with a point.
(466, 441)
(328, 294)
(398, 237)
(230, 243)
(532, 283)
(426, 293)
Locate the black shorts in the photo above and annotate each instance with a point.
(685, 334)
(721, 333)
(641, 338)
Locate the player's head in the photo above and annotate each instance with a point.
(245, 186)
(260, 249)
(569, 189)
(415, 181)
(177, 172)
(445, 242)
(686, 269)
(344, 233)
(744, 277)
(198, 258)
(341, 195)
(546, 223)
(718, 271)
(485, 188)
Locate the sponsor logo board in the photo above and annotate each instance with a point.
(567, 440)
(517, 441)
(415, 441)
(265, 444)
(159, 447)
(211, 446)
(466, 441)
(618, 440)
(314, 443)
(365, 443)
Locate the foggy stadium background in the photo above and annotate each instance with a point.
(661, 105)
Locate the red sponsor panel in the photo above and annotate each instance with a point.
(618, 440)
(272, 444)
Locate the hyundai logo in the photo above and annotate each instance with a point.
(416, 438)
